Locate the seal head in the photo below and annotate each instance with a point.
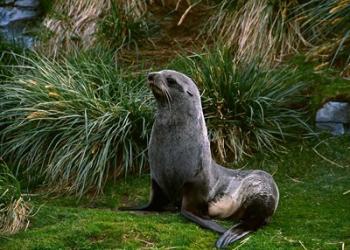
(167, 83)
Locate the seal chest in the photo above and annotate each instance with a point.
(224, 207)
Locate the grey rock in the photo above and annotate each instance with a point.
(17, 33)
(334, 128)
(334, 112)
(15, 17)
(10, 15)
(6, 2)
(27, 3)
(334, 117)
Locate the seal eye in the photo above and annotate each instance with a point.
(171, 81)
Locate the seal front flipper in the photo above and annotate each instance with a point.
(158, 201)
(194, 207)
(235, 233)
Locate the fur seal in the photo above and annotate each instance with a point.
(184, 175)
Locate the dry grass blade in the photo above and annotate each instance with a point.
(186, 13)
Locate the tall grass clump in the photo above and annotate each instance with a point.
(14, 210)
(257, 29)
(72, 24)
(7, 58)
(75, 122)
(327, 25)
(78, 24)
(247, 108)
(124, 24)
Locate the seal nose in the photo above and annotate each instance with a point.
(150, 77)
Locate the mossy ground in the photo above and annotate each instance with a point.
(314, 182)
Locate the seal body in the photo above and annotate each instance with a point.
(176, 147)
(184, 175)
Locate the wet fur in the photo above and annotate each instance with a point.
(184, 175)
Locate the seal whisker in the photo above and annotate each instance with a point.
(168, 96)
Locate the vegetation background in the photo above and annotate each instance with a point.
(76, 114)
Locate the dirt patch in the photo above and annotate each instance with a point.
(177, 30)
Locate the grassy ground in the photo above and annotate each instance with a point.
(313, 212)
(314, 182)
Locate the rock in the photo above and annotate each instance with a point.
(17, 33)
(334, 116)
(334, 112)
(27, 3)
(15, 17)
(6, 2)
(9, 15)
(334, 128)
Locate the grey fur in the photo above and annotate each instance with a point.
(183, 171)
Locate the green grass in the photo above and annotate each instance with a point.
(323, 84)
(7, 57)
(313, 211)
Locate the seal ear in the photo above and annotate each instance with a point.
(188, 92)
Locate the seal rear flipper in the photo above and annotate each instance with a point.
(158, 201)
(205, 223)
(235, 233)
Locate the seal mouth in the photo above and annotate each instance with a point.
(159, 92)
(155, 89)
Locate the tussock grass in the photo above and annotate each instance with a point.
(14, 210)
(75, 122)
(327, 25)
(124, 24)
(7, 58)
(271, 30)
(257, 29)
(74, 24)
(247, 108)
